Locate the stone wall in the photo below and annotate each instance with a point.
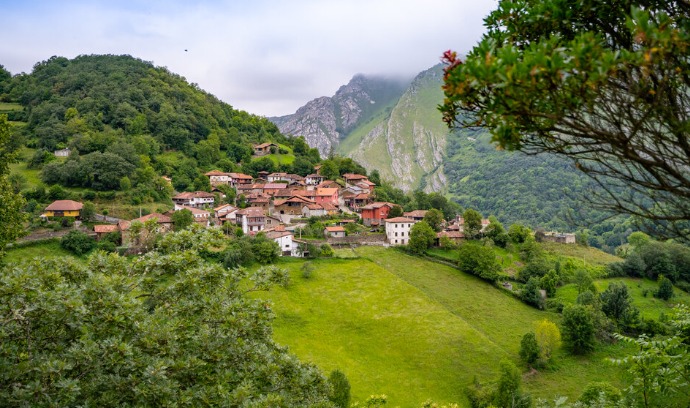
(373, 239)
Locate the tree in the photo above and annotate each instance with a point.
(593, 391)
(307, 270)
(472, 223)
(11, 203)
(182, 219)
(340, 389)
(659, 368)
(529, 348)
(478, 260)
(77, 242)
(584, 281)
(88, 211)
(531, 295)
(578, 329)
(396, 211)
(519, 233)
(638, 239)
(329, 170)
(434, 218)
(549, 339)
(99, 321)
(422, 236)
(549, 282)
(616, 301)
(267, 251)
(125, 184)
(611, 75)
(634, 265)
(508, 388)
(665, 288)
(326, 250)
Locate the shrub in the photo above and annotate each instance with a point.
(593, 391)
(106, 246)
(578, 329)
(340, 389)
(535, 269)
(307, 270)
(548, 338)
(480, 261)
(529, 348)
(665, 288)
(267, 251)
(555, 304)
(530, 293)
(326, 250)
(77, 242)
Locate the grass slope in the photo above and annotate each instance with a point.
(386, 335)
(415, 329)
(650, 307)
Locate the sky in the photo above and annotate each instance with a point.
(265, 57)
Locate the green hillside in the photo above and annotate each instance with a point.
(414, 329)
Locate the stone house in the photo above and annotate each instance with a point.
(264, 148)
(103, 230)
(291, 206)
(334, 232)
(351, 179)
(417, 215)
(165, 225)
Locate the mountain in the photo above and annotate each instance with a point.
(406, 140)
(326, 121)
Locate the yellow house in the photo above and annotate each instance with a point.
(63, 208)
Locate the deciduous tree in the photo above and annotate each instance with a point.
(605, 87)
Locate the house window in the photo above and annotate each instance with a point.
(396, 234)
(396, 241)
(396, 225)
(402, 234)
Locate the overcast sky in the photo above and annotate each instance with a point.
(265, 57)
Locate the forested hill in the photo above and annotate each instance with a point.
(97, 97)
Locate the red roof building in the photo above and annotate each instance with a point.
(375, 213)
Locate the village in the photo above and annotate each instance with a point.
(280, 204)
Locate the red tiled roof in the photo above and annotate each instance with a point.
(350, 176)
(104, 228)
(216, 173)
(240, 176)
(377, 204)
(416, 213)
(329, 206)
(161, 219)
(399, 219)
(65, 205)
(335, 229)
(274, 186)
(196, 194)
(252, 212)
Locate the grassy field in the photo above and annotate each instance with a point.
(650, 307)
(415, 329)
(47, 250)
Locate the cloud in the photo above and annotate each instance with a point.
(266, 57)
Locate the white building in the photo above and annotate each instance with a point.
(284, 240)
(398, 230)
(196, 199)
(334, 232)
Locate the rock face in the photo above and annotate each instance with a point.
(326, 121)
(408, 147)
(391, 126)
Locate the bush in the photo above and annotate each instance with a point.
(578, 329)
(665, 288)
(326, 250)
(555, 304)
(529, 348)
(684, 286)
(267, 251)
(307, 270)
(77, 242)
(593, 391)
(530, 293)
(106, 246)
(480, 261)
(340, 389)
(536, 269)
